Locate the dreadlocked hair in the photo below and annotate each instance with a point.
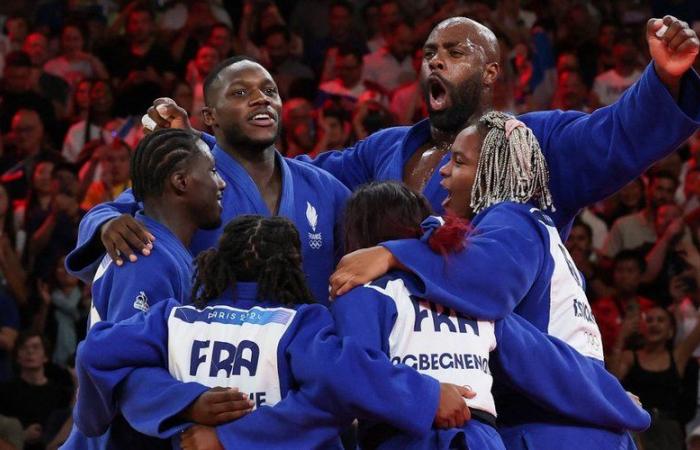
(252, 248)
(511, 167)
(157, 156)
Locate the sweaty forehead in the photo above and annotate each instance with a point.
(465, 31)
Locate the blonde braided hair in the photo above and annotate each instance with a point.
(511, 165)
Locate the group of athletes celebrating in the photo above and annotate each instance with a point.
(456, 317)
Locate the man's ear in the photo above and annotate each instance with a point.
(179, 182)
(490, 74)
(208, 116)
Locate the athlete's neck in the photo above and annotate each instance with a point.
(261, 165)
(441, 137)
(172, 215)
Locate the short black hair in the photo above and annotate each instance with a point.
(631, 255)
(214, 74)
(662, 174)
(157, 156)
(587, 228)
(277, 29)
(348, 49)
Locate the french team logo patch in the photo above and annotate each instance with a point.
(315, 239)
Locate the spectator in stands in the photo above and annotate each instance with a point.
(663, 376)
(221, 38)
(9, 327)
(17, 92)
(193, 35)
(623, 308)
(79, 103)
(607, 33)
(335, 128)
(51, 87)
(94, 127)
(138, 57)
(283, 66)
(391, 66)
(55, 234)
(258, 18)
(64, 295)
(197, 70)
(299, 127)
(609, 85)
(571, 93)
(673, 254)
(390, 16)
(114, 160)
(580, 247)
(12, 276)
(26, 146)
(32, 396)
(183, 95)
(407, 102)
(348, 84)
(74, 63)
(637, 229)
(628, 200)
(319, 53)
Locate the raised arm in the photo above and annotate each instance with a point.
(615, 144)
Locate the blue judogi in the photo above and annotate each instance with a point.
(268, 350)
(388, 315)
(514, 261)
(119, 292)
(589, 156)
(311, 198)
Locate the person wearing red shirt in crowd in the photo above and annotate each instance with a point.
(621, 312)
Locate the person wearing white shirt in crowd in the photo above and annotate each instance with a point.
(392, 65)
(609, 86)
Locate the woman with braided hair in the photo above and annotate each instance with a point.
(513, 261)
(253, 326)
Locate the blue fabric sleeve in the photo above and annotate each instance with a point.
(357, 165)
(615, 144)
(340, 377)
(82, 262)
(506, 241)
(558, 378)
(104, 360)
(367, 315)
(279, 427)
(128, 283)
(150, 400)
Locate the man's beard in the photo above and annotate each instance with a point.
(466, 99)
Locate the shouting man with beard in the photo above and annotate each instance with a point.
(611, 146)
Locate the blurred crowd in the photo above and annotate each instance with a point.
(78, 74)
